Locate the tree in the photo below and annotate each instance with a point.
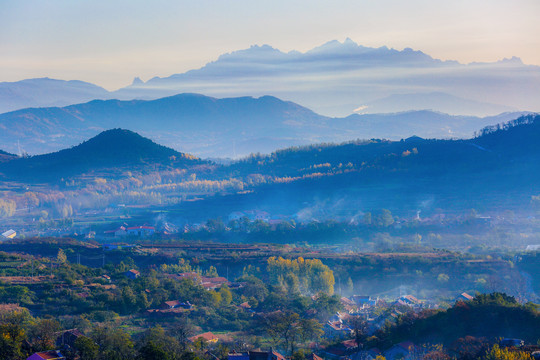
(384, 218)
(367, 218)
(254, 287)
(360, 329)
(129, 299)
(61, 257)
(226, 295)
(114, 344)
(11, 338)
(87, 348)
(182, 331)
(310, 330)
(496, 353)
(350, 285)
(7, 208)
(152, 351)
(44, 333)
(442, 278)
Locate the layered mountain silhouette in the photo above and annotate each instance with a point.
(113, 150)
(442, 102)
(336, 78)
(496, 169)
(333, 79)
(5, 156)
(229, 127)
(47, 92)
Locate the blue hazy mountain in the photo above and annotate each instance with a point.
(337, 78)
(497, 169)
(229, 127)
(333, 79)
(47, 92)
(113, 151)
(442, 102)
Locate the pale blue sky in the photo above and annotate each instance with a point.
(110, 42)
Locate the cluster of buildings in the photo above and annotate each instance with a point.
(133, 231)
(209, 283)
(376, 313)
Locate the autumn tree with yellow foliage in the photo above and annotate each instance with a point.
(308, 276)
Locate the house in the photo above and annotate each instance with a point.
(245, 306)
(118, 232)
(403, 350)
(176, 304)
(238, 356)
(408, 300)
(370, 354)
(106, 278)
(336, 329)
(364, 300)
(236, 215)
(210, 283)
(464, 297)
(10, 234)
(350, 345)
(207, 337)
(348, 304)
(109, 247)
(67, 338)
(132, 274)
(47, 355)
(254, 215)
(511, 343)
(141, 231)
(258, 355)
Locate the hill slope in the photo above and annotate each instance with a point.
(184, 121)
(47, 92)
(496, 170)
(228, 127)
(113, 150)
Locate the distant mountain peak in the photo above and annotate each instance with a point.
(513, 60)
(112, 150)
(137, 81)
(253, 50)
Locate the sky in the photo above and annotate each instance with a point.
(110, 42)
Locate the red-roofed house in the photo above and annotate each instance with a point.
(118, 232)
(207, 336)
(133, 274)
(260, 355)
(141, 230)
(176, 304)
(464, 297)
(47, 355)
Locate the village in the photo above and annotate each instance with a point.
(343, 336)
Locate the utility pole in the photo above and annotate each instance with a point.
(103, 264)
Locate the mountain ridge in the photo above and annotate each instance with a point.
(213, 127)
(498, 166)
(346, 75)
(114, 149)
